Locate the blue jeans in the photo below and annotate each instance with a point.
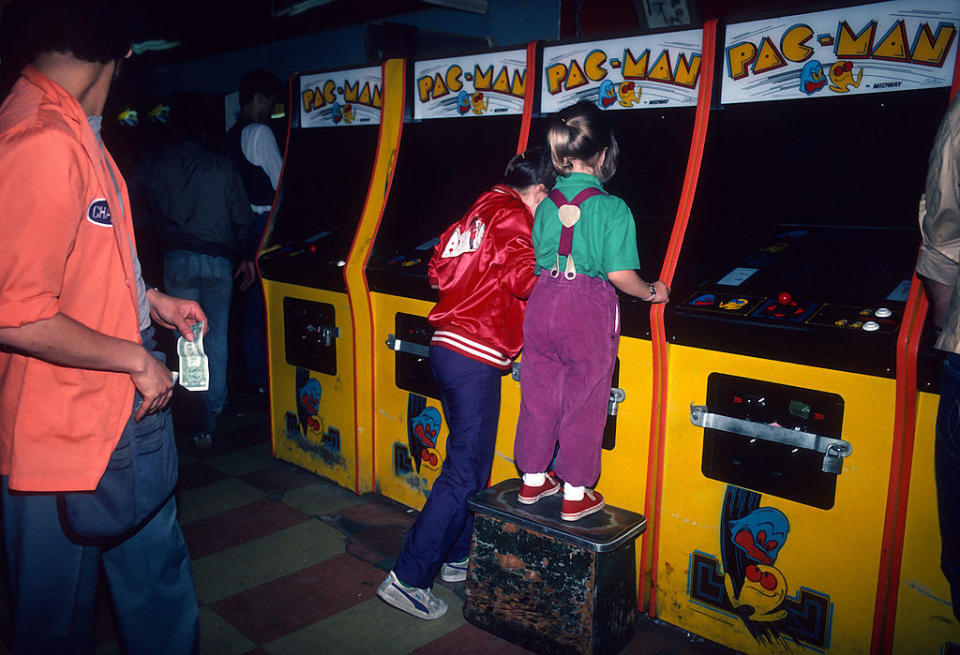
(53, 582)
(947, 461)
(471, 402)
(208, 280)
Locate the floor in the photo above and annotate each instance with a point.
(287, 563)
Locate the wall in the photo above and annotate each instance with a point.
(507, 23)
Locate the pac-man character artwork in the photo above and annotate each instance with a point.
(747, 583)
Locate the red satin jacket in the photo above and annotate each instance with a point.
(484, 266)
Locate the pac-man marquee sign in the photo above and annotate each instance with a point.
(888, 46)
(643, 72)
(351, 97)
(487, 84)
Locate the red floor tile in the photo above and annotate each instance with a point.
(379, 512)
(388, 540)
(470, 639)
(277, 608)
(366, 553)
(238, 526)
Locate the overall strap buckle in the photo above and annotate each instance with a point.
(569, 213)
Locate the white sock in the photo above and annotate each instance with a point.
(534, 479)
(572, 493)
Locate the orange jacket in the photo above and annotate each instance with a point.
(65, 246)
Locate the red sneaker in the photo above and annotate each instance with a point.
(572, 510)
(529, 495)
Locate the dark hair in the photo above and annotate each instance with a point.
(259, 81)
(90, 30)
(581, 132)
(532, 166)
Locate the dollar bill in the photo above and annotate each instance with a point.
(194, 367)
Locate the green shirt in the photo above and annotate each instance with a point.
(604, 239)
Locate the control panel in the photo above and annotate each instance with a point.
(810, 295)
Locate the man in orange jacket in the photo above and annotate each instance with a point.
(75, 327)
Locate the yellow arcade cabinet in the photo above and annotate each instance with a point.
(465, 121)
(331, 179)
(647, 85)
(790, 290)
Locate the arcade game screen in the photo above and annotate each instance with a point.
(856, 161)
(805, 222)
(324, 185)
(439, 175)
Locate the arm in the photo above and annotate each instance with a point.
(260, 147)
(516, 257)
(243, 221)
(176, 313)
(630, 283)
(63, 341)
(939, 295)
(621, 258)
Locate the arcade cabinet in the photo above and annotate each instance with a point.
(785, 312)
(466, 123)
(648, 87)
(330, 170)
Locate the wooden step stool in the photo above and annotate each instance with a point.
(550, 585)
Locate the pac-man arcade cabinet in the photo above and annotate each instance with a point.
(788, 300)
(308, 249)
(466, 124)
(647, 84)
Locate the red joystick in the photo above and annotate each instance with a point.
(784, 298)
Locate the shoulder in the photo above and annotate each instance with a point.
(612, 208)
(47, 142)
(257, 131)
(609, 202)
(496, 200)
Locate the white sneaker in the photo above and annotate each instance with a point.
(412, 600)
(203, 441)
(454, 571)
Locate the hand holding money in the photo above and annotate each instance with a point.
(194, 367)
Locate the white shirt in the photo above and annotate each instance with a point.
(260, 148)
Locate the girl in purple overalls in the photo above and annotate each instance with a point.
(585, 244)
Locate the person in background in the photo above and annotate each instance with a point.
(194, 199)
(251, 145)
(483, 267)
(586, 247)
(938, 265)
(75, 343)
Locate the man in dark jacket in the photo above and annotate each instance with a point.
(195, 200)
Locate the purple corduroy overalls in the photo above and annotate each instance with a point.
(571, 333)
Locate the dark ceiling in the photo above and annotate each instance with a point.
(209, 27)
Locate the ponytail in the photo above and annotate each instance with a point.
(581, 132)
